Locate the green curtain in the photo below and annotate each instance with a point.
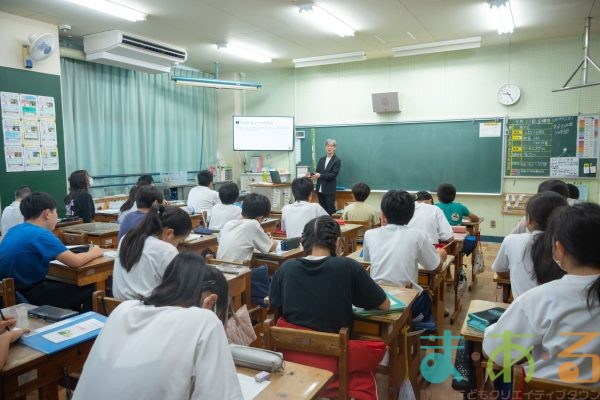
(119, 121)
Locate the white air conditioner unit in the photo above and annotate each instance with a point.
(121, 49)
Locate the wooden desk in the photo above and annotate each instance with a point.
(350, 236)
(388, 328)
(430, 280)
(476, 337)
(199, 243)
(269, 225)
(29, 370)
(274, 260)
(95, 271)
(240, 288)
(473, 230)
(297, 382)
(506, 288)
(103, 234)
(455, 248)
(109, 215)
(59, 225)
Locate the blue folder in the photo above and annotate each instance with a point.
(40, 343)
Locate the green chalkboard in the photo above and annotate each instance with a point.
(552, 146)
(53, 182)
(412, 156)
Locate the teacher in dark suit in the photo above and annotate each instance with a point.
(326, 174)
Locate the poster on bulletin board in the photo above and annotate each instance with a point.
(29, 132)
(558, 147)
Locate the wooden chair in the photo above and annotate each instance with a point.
(102, 304)
(538, 388)
(7, 292)
(365, 227)
(328, 344)
(70, 239)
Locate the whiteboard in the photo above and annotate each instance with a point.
(263, 133)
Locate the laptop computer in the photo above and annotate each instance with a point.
(275, 178)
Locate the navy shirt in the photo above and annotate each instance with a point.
(25, 253)
(130, 221)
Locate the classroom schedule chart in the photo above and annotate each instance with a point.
(562, 147)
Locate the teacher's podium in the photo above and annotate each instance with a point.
(279, 194)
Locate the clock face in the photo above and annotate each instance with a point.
(509, 94)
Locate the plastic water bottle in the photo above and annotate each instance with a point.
(265, 176)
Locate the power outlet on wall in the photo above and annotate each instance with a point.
(493, 223)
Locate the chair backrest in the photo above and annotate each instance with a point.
(538, 388)
(75, 238)
(102, 304)
(328, 344)
(7, 292)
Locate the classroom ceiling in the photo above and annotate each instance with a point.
(275, 27)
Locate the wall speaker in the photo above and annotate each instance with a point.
(385, 102)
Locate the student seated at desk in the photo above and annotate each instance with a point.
(145, 198)
(169, 345)
(454, 212)
(317, 292)
(203, 197)
(550, 185)
(395, 250)
(11, 215)
(79, 202)
(226, 211)
(294, 216)
(28, 248)
(514, 259)
(560, 319)
(430, 219)
(146, 251)
(129, 205)
(240, 237)
(359, 210)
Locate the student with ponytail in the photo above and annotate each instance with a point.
(525, 257)
(559, 319)
(147, 249)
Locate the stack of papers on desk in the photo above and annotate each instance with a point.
(396, 305)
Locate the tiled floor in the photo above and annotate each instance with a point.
(484, 290)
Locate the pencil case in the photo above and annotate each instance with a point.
(252, 357)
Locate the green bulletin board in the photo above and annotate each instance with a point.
(53, 182)
(562, 147)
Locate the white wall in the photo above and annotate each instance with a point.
(438, 86)
(15, 31)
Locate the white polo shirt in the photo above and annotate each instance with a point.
(240, 237)
(548, 314)
(202, 198)
(221, 213)
(294, 216)
(11, 216)
(395, 252)
(514, 256)
(431, 220)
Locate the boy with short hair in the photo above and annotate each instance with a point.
(454, 212)
(240, 237)
(395, 250)
(294, 216)
(431, 220)
(29, 247)
(203, 197)
(359, 210)
(145, 197)
(226, 211)
(11, 215)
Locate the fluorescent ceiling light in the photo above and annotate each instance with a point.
(114, 9)
(503, 14)
(437, 47)
(330, 59)
(244, 53)
(215, 83)
(325, 19)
